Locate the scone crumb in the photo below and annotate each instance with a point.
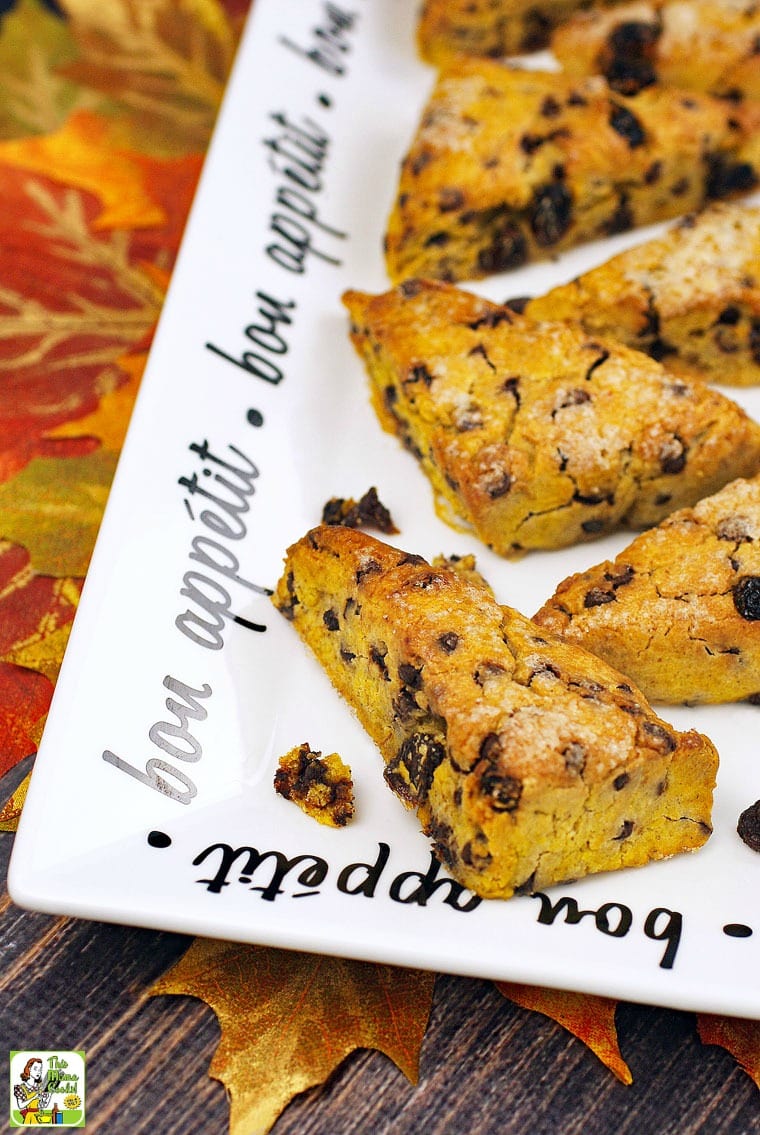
(368, 512)
(465, 565)
(321, 786)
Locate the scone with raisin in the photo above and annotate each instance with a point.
(690, 298)
(527, 760)
(694, 44)
(511, 165)
(489, 28)
(538, 435)
(679, 609)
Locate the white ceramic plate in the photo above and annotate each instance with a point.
(223, 468)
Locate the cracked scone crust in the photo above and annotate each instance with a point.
(509, 166)
(690, 298)
(527, 760)
(694, 44)
(491, 28)
(536, 434)
(679, 609)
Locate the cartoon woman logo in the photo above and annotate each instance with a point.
(30, 1094)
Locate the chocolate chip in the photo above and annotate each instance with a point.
(593, 527)
(625, 830)
(347, 655)
(330, 619)
(747, 597)
(550, 108)
(749, 826)
(551, 213)
(730, 315)
(448, 641)
(626, 64)
(369, 567)
(418, 373)
(378, 657)
(622, 575)
(508, 249)
(620, 781)
(625, 123)
(726, 176)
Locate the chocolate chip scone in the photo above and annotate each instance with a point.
(527, 760)
(690, 298)
(679, 609)
(491, 28)
(510, 165)
(536, 434)
(695, 44)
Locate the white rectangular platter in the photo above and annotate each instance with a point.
(253, 412)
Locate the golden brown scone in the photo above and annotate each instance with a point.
(536, 434)
(690, 298)
(490, 28)
(695, 44)
(321, 786)
(509, 166)
(527, 760)
(679, 609)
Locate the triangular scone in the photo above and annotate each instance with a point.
(696, 44)
(447, 29)
(527, 760)
(537, 434)
(510, 165)
(679, 609)
(690, 298)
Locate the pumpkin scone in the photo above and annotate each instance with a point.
(690, 298)
(679, 609)
(527, 760)
(511, 165)
(695, 44)
(537, 435)
(491, 28)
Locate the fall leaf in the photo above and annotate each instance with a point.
(739, 1036)
(288, 1019)
(164, 61)
(72, 301)
(54, 509)
(36, 613)
(24, 702)
(590, 1018)
(10, 813)
(33, 98)
(109, 422)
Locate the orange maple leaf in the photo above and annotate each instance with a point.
(288, 1019)
(590, 1018)
(740, 1037)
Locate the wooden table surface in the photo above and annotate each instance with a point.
(487, 1066)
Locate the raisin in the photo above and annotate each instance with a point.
(449, 200)
(378, 657)
(597, 597)
(369, 567)
(621, 220)
(734, 528)
(627, 125)
(730, 315)
(626, 64)
(503, 791)
(660, 735)
(518, 304)
(418, 758)
(673, 455)
(330, 619)
(448, 641)
(619, 578)
(550, 108)
(620, 781)
(552, 213)
(419, 373)
(749, 826)
(625, 830)
(410, 676)
(747, 597)
(593, 527)
(367, 512)
(508, 249)
(726, 176)
(500, 487)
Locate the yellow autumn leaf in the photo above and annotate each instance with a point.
(288, 1019)
(590, 1018)
(11, 809)
(164, 61)
(738, 1036)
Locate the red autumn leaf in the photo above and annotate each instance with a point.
(36, 613)
(24, 702)
(74, 298)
